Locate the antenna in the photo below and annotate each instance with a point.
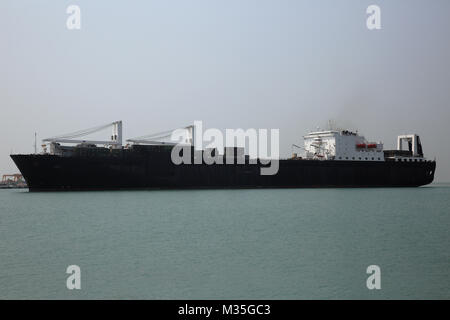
(35, 145)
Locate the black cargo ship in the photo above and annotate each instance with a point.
(333, 158)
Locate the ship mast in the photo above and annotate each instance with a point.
(35, 143)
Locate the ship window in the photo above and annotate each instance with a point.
(379, 159)
(340, 157)
(410, 160)
(359, 158)
(353, 158)
(366, 158)
(346, 158)
(373, 158)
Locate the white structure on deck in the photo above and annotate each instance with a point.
(185, 134)
(115, 142)
(413, 151)
(341, 145)
(413, 142)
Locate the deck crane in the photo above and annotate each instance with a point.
(116, 137)
(158, 138)
(294, 155)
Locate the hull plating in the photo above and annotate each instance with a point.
(156, 171)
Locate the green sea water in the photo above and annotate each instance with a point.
(226, 244)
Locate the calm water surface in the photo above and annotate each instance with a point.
(226, 244)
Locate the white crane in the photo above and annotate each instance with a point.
(159, 137)
(116, 137)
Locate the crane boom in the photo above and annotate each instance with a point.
(116, 137)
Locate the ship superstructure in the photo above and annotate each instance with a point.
(350, 146)
(341, 145)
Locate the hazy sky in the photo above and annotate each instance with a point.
(161, 64)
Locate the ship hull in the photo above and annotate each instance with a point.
(141, 171)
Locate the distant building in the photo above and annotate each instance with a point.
(15, 180)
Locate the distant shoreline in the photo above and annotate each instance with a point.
(13, 187)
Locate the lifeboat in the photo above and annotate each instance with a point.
(361, 145)
(372, 145)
